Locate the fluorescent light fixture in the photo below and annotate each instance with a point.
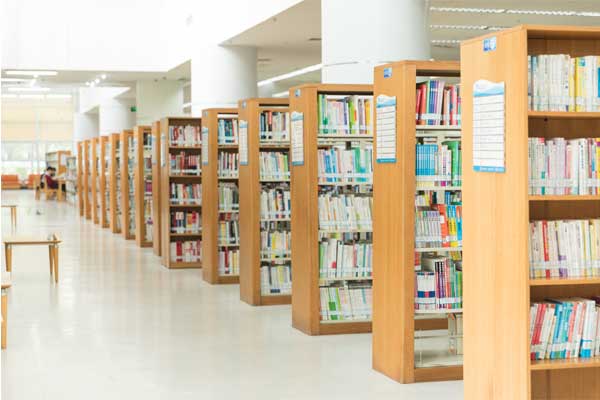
(557, 13)
(14, 80)
(187, 105)
(445, 41)
(28, 89)
(292, 74)
(97, 80)
(9, 96)
(58, 96)
(461, 27)
(542, 12)
(468, 10)
(103, 76)
(285, 93)
(31, 96)
(31, 73)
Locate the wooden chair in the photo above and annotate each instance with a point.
(49, 193)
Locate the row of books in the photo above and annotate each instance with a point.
(275, 244)
(274, 165)
(185, 193)
(229, 262)
(559, 82)
(438, 225)
(228, 130)
(564, 248)
(188, 135)
(186, 222)
(186, 251)
(338, 259)
(438, 285)
(565, 328)
(345, 115)
(274, 126)
(438, 103)
(561, 166)
(228, 164)
(438, 164)
(341, 165)
(229, 231)
(345, 212)
(342, 303)
(185, 164)
(275, 279)
(229, 197)
(275, 203)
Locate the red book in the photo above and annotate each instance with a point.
(443, 224)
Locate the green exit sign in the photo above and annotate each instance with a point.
(133, 109)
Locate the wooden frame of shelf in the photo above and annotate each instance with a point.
(497, 289)
(156, 186)
(139, 182)
(210, 197)
(166, 178)
(126, 182)
(305, 216)
(250, 188)
(103, 218)
(80, 188)
(114, 168)
(95, 146)
(87, 171)
(394, 322)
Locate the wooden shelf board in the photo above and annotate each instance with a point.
(185, 205)
(563, 115)
(436, 374)
(344, 327)
(228, 279)
(439, 249)
(177, 235)
(437, 128)
(356, 278)
(564, 197)
(185, 147)
(181, 264)
(564, 281)
(179, 176)
(275, 299)
(575, 363)
(439, 312)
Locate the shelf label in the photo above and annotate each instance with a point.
(386, 129)
(387, 72)
(297, 138)
(204, 145)
(243, 138)
(488, 126)
(163, 150)
(489, 44)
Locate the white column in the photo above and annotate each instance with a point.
(85, 126)
(115, 115)
(358, 35)
(158, 99)
(222, 75)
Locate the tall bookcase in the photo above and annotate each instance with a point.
(103, 192)
(156, 186)
(71, 179)
(402, 348)
(80, 179)
(127, 184)
(306, 232)
(113, 182)
(258, 114)
(215, 251)
(87, 178)
(498, 289)
(143, 185)
(58, 160)
(94, 178)
(172, 172)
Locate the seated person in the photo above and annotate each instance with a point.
(50, 181)
(46, 172)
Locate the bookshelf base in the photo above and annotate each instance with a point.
(130, 237)
(145, 244)
(431, 324)
(275, 300)
(340, 328)
(183, 265)
(437, 374)
(227, 280)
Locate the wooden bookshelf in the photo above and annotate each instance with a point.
(167, 177)
(103, 192)
(95, 174)
(71, 179)
(497, 289)
(87, 172)
(80, 179)
(127, 207)
(58, 160)
(156, 186)
(113, 183)
(394, 316)
(305, 188)
(143, 176)
(211, 180)
(250, 187)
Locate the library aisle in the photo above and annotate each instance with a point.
(119, 325)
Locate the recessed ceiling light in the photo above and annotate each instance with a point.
(292, 74)
(468, 10)
(460, 27)
(97, 80)
(28, 89)
(103, 76)
(31, 73)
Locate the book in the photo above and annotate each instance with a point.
(438, 284)
(229, 262)
(229, 197)
(349, 302)
(274, 126)
(228, 166)
(274, 243)
(275, 279)
(560, 166)
(185, 193)
(275, 203)
(229, 231)
(438, 103)
(185, 135)
(228, 131)
(564, 248)
(438, 220)
(345, 212)
(340, 259)
(345, 115)
(186, 222)
(339, 164)
(185, 164)
(274, 165)
(438, 164)
(186, 251)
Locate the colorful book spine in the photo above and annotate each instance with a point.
(339, 259)
(274, 166)
(185, 193)
(345, 212)
(186, 222)
(229, 197)
(228, 166)
(438, 222)
(229, 262)
(274, 126)
(275, 279)
(344, 303)
(438, 103)
(185, 164)
(341, 165)
(229, 231)
(186, 251)
(438, 284)
(275, 203)
(187, 135)
(438, 164)
(345, 115)
(228, 131)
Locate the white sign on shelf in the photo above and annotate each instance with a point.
(243, 138)
(386, 129)
(163, 150)
(297, 138)
(489, 126)
(204, 145)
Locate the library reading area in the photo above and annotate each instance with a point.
(318, 199)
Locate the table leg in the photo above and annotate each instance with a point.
(13, 216)
(8, 257)
(56, 263)
(51, 258)
(4, 318)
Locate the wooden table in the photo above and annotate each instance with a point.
(60, 195)
(13, 214)
(5, 285)
(52, 241)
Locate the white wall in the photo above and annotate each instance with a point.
(158, 99)
(85, 126)
(115, 115)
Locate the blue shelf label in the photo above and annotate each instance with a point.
(387, 72)
(297, 93)
(489, 44)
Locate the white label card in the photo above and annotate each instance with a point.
(243, 142)
(386, 129)
(163, 150)
(297, 138)
(489, 126)
(204, 145)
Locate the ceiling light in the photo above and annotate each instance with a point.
(460, 27)
(31, 73)
(542, 12)
(285, 93)
(468, 10)
(87, 84)
(28, 89)
(58, 96)
(292, 74)
(14, 80)
(103, 76)
(31, 96)
(97, 80)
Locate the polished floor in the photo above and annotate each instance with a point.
(120, 326)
